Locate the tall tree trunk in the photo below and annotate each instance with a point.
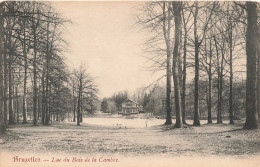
(74, 103)
(231, 121)
(43, 99)
(2, 121)
(81, 108)
(258, 74)
(5, 82)
(39, 109)
(17, 103)
(25, 81)
(2, 118)
(79, 104)
(166, 33)
(10, 97)
(175, 62)
(74, 109)
(47, 98)
(184, 74)
(180, 63)
(221, 85)
(35, 91)
(218, 82)
(196, 120)
(57, 93)
(13, 95)
(210, 84)
(48, 110)
(251, 41)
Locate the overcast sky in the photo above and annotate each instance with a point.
(104, 37)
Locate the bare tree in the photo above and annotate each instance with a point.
(157, 17)
(251, 42)
(24, 30)
(258, 74)
(198, 39)
(10, 44)
(166, 33)
(35, 25)
(230, 35)
(84, 87)
(207, 65)
(196, 93)
(177, 7)
(184, 71)
(258, 66)
(2, 121)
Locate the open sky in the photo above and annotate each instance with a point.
(105, 38)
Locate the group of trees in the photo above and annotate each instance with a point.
(208, 40)
(34, 79)
(113, 103)
(204, 40)
(84, 93)
(153, 99)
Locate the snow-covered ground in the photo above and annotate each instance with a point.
(132, 122)
(122, 122)
(97, 137)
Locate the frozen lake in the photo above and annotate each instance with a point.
(131, 123)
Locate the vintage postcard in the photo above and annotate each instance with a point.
(129, 83)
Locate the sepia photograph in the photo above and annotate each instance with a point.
(129, 83)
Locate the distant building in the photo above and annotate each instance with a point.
(130, 107)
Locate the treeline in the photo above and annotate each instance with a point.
(113, 104)
(153, 100)
(35, 80)
(207, 41)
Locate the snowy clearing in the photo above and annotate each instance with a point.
(129, 141)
